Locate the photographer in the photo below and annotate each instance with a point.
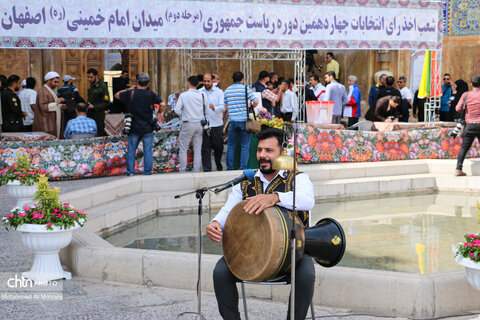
(470, 104)
(139, 104)
(191, 106)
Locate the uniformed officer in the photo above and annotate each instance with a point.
(98, 100)
(11, 107)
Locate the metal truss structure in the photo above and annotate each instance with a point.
(246, 58)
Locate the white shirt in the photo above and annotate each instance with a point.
(305, 197)
(189, 106)
(318, 91)
(27, 98)
(172, 101)
(406, 93)
(289, 103)
(215, 97)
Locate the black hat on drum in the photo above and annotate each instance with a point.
(325, 242)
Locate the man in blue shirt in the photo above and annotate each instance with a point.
(139, 103)
(81, 124)
(445, 100)
(373, 95)
(337, 93)
(235, 98)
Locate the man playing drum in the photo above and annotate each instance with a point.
(273, 183)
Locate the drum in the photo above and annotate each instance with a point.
(256, 247)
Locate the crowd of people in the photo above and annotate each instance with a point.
(59, 111)
(209, 116)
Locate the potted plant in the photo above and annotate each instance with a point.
(20, 180)
(468, 255)
(46, 228)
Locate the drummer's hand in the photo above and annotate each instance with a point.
(214, 231)
(260, 202)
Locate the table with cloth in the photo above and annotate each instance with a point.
(106, 156)
(27, 136)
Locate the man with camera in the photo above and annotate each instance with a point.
(191, 107)
(470, 104)
(214, 112)
(139, 105)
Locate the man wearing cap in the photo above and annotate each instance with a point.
(139, 103)
(48, 106)
(72, 98)
(98, 100)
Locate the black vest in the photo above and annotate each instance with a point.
(278, 184)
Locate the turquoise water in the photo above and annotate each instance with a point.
(413, 233)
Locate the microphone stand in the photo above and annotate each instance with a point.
(293, 232)
(199, 194)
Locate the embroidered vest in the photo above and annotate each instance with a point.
(278, 184)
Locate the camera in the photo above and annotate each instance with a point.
(128, 123)
(154, 123)
(206, 126)
(457, 130)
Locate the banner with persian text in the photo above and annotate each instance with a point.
(368, 24)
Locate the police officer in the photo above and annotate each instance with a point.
(11, 107)
(98, 100)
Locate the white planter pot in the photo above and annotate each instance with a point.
(472, 270)
(23, 194)
(46, 245)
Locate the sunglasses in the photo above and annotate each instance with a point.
(446, 78)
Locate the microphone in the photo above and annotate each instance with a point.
(248, 174)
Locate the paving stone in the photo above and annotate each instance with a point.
(87, 300)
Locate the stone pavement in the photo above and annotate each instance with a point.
(83, 299)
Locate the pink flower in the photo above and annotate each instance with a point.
(27, 208)
(49, 224)
(22, 214)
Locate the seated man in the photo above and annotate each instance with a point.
(81, 124)
(273, 184)
(387, 109)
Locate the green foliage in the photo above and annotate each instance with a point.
(49, 210)
(48, 198)
(21, 171)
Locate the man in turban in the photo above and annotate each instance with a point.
(48, 106)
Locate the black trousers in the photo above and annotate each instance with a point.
(352, 121)
(224, 283)
(215, 142)
(445, 116)
(471, 131)
(287, 116)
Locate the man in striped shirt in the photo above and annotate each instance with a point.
(235, 98)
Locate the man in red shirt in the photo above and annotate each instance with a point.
(472, 120)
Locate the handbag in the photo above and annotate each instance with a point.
(252, 125)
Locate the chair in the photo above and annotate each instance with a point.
(82, 136)
(280, 283)
(175, 123)
(362, 126)
(272, 283)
